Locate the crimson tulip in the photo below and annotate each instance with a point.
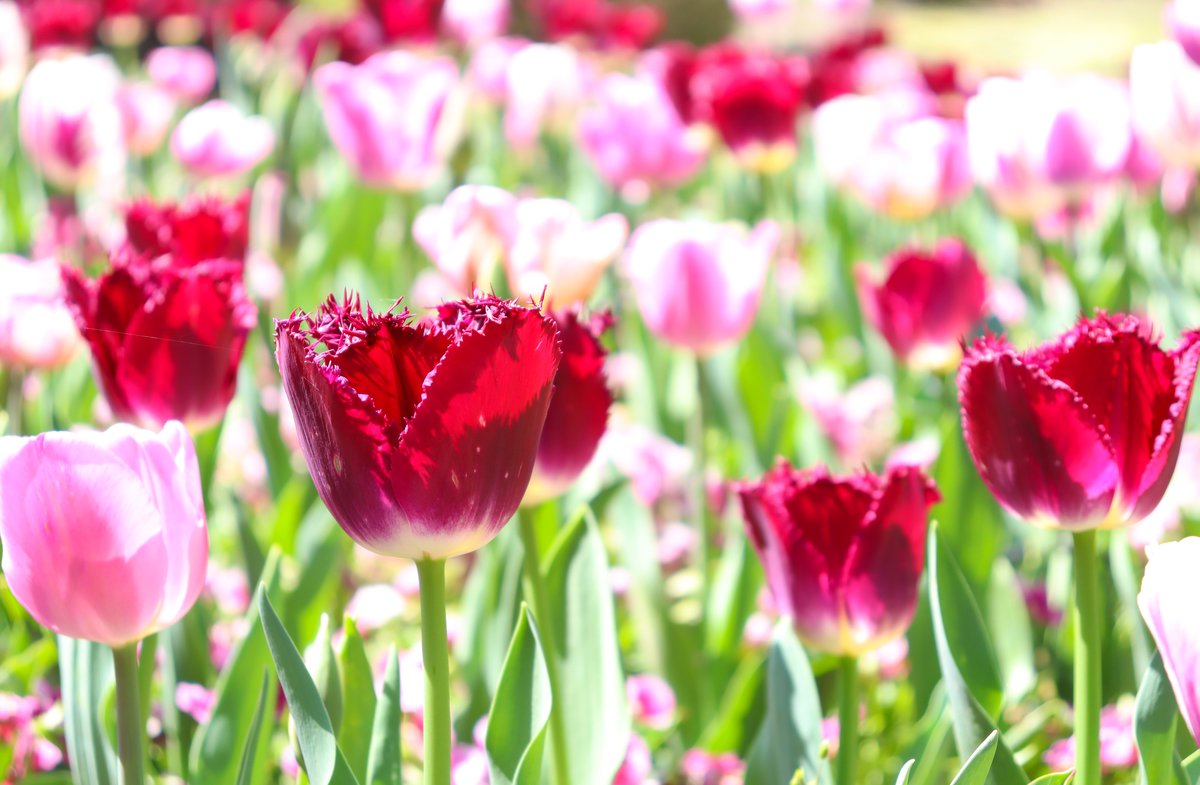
(197, 229)
(1082, 432)
(842, 555)
(421, 438)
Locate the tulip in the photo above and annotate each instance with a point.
(387, 117)
(166, 334)
(546, 83)
(1118, 747)
(637, 765)
(859, 420)
(466, 235)
(70, 126)
(651, 701)
(554, 251)
(146, 114)
(1163, 85)
(1167, 602)
(1183, 22)
(407, 20)
(751, 10)
(634, 137)
(36, 329)
(488, 69)
(195, 230)
(927, 302)
(351, 40)
(14, 49)
(67, 25)
(217, 140)
(188, 73)
(471, 22)
(698, 284)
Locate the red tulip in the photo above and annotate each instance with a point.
(62, 23)
(195, 230)
(407, 20)
(1082, 432)
(843, 555)
(927, 302)
(421, 439)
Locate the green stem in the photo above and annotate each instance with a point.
(540, 598)
(15, 401)
(130, 726)
(847, 754)
(699, 492)
(1087, 661)
(432, 576)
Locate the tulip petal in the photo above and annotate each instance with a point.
(1168, 604)
(103, 321)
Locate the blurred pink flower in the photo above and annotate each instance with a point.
(374, 605)
(46, 755)
(637, 767)
(759, 9)
(390, 116)
(471, 22)
(468, 766)
(1183, 22)
(651, 701)
(698, 284)
(844, 6)
(195, 700)
(859, 421)
(921, 452)
(187, 73)
(229, 589)
(892, 658)
(217, 139)
(487, 71)
(655, 466)
(700, 767)
(467, 234)
(1164, 89)
(1167, 601)
(546, 83)
(1118, 749)
(554, 250)
(1037, 602)
(831, 731)
(146, 114)
(70, 125)
(36, 328)
(14, 49)
(676, 542)
(758, 630)
(635, 138)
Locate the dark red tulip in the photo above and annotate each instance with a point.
(675, 64)
(166, 338)
(578, 414)
(259, 18)
(834, 67)
(927, 302)
(843, 555)
(197, 229)
(65, 23)
(632, 26)
(421, 438)
(351, 40)
(1082, 432)
(407, 20)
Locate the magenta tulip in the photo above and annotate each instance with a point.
(188, 73)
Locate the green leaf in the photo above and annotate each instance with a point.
(902, 778)
(358, 696)
(322, 760)
(790, 737)
(1155, 719)
(383, 760)
(250, 749)
(87, 672)
(587, 657)
(1012, 630)
(962, 644)
(975, 770)
(1058, 778)
(520, 712)
(318, 658)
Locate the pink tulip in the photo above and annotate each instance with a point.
(651, 700)
(546, 83)
(14, 49)
(471, 22)
(554, 250)
(1183, 22)
(859, 421)
(1118, 749)
(388, 116)
(69, 123)
(466, 235)
(188, 73)
(36, 328)
(217, 139)
(1038, 143)
(656, 467)
(698, 284)
(1164, 90)
(104, 533)
(634, 137)
(1167, 601)
(146, 114)
(488, 69)
(750, 10)
(195, 700)
(700, 767)
(637, 766)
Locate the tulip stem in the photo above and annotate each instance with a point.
(847, 753)
(699, 493)
(436, 653)
(130, 726)
(540, 599)
(1087, 661)
(15, 401)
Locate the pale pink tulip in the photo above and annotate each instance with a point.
(1118, 749)
(217, 139)
(698, 284)
(651, 701)
(1168, 604)
(104, 533)
(471, 22)
(554, 250)
(146, 114)
(750, 10)
(467, 234)
(36, 328)
(546, 84)
(1183, 21)
(1164, 88)
(389, 117)
(70, 125)
(14, 49)
(634, 137)
(188, 73)
(859, 421)
(637, 766)
(487, 71)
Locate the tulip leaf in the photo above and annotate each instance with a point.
(968, 665)
(790, 737)
(1058, 778)
(322, 760)
(87, 672)
(516, 730)
(383, 759)
(1012, 630)
(213, 755)
(358, 699)
(1154, 725)
(902, 777)
(250, 749)
(975, 770)
(586, 654)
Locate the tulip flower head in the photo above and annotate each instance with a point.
(927, 303)
(104, 534)
(146, 114)
(843, 555)
(1163, 87)
(14, 49)
(188, 73)
(36, 328)
(217, 139)
(1082, 432)
(466, 235)
(1168, 604)
(472, 22)
(1183, 22)
(421, 438)
(546, 83)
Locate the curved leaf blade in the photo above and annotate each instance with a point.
(520, 711)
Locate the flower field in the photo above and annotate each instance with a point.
(473, 391)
